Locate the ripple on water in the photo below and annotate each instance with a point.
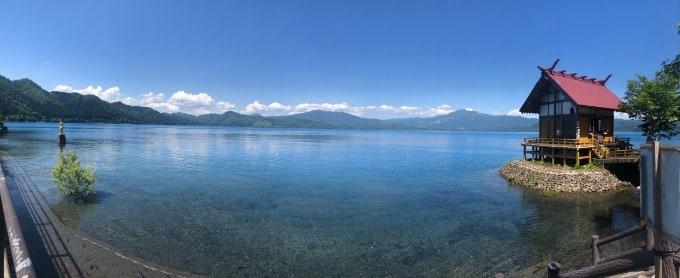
(270, 202)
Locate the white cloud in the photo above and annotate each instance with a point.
(383, 107)
(157, 101)
(279, 106)
(306, 107)
(111, 94)
(164, 107)
(254, 107)
(181, 101)
(388, 111)
(203, 103)
(184, 99)
(383, 111)
(621, 115)
(515, 112)
(443, 110)
(408, 109)
(128, 100)
(274, 108)
(150, 97)
(225, 106)
(63, 88)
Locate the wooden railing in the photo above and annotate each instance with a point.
(554, 141)
(596, 242)
(629, 260)
(600, 150)
(624, 153)
(603, 151)
(16, 252)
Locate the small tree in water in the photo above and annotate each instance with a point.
(71, 179)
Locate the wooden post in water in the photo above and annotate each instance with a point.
(552, 156)
(554, 270)
(596, 249)
(61, 140)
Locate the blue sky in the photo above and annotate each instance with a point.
(375, 59)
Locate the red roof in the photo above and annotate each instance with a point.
(581, 90)
(585, 91)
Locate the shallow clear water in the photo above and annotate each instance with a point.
(237, 201)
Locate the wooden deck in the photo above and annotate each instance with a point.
(563, 150)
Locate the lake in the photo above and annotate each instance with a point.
(223, 201)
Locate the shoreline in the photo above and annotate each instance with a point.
(560, 179)
(57, 250)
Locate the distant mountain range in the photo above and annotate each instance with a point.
(24, 100)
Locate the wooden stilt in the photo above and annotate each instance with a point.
(552, 157)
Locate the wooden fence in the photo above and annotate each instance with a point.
(636, 258)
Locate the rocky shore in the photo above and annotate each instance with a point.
(537, 176)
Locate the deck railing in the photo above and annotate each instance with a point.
(555, 141)
(624, 153)
(11, 233)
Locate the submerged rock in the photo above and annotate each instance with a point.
(559, 178)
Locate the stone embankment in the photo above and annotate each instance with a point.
(537, 176)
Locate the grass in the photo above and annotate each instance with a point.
(543, 163)
(548, 193)
(590, 165)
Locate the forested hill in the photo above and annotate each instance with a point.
(24, 100)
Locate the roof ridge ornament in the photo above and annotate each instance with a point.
(604, 81)
(582, 90)
(554, 65)
(551, 70)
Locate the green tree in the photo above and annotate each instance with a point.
(655, 102)
(673, 67)
(71, 179)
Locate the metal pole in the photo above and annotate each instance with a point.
(658, 262)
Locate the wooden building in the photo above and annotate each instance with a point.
(576, 118)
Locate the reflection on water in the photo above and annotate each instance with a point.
(563, 224)
(70, 211)
(283, 202)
